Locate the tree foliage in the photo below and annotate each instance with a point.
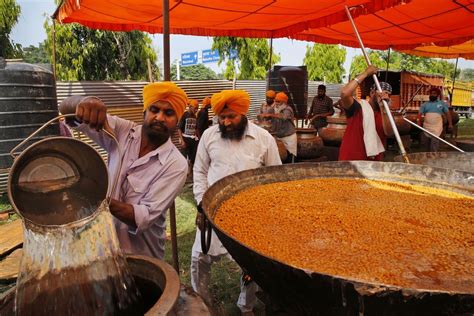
(325, 62)
(194, 72)
(400, 61)
(467, 74)
(253, 57)
(85, 54)
(36, 55)
(9, 14)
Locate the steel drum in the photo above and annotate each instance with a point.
(304, 292)
(449, 160)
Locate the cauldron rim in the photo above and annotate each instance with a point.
(362, 286)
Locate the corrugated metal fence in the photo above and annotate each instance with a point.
(124, 98)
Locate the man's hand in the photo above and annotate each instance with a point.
(371, 70)
(92, 111)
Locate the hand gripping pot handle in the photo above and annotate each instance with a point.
(14, 151)
(206, 228)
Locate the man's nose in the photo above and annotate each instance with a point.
(227, 122)
(160, 116)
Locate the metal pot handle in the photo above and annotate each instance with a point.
(207, 228)
(14, 154)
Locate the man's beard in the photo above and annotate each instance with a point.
(320, 97)
(433, 98)
(237, 132)
(157, 132)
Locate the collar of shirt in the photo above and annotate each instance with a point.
(250, 130)
(162, 152)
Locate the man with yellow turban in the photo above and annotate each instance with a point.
(283, 126)
(187, 125)
(152, 172)
(233, 145)
(203, 122)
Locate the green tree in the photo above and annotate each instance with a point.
(9, 14)
(85, 54)
(253, 57)
(467, 74)
(36, 55)
(325, 62)
(358, 64)
(194, 72)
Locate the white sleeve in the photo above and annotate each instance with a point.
(201, 168)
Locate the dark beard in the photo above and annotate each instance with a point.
(433, 98)
(237, 132)
(157, 137)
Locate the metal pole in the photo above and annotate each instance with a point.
(178, 71)
(454, 80)
(54, 48)
(270, 63)
(174, 239)
(150, 75)
(166, 40)
(379, 89)
(433, 135)
(388, 63)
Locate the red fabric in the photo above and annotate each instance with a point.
(352, 147)
(243, 18)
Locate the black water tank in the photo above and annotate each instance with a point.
(27, 101)
(294, 82)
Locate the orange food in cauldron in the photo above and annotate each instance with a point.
(373, 231)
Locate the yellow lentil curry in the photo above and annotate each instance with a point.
(372, 231)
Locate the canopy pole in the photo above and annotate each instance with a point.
(270, 63)
(388, 63)
(379, 89)
(166, 40)
(54, 48)
(451, 94)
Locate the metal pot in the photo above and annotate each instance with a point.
(448, 160)
(281, 149)
(310, 145)
(156, 280)
(402, 126)
(303, 292)
(333, 133)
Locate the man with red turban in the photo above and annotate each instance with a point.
(152, 172)
(233, 145)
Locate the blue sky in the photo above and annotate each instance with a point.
(30, 31)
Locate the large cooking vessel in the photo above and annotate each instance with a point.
(449, 160)
(310, 145)
(156, 280)
(332, 134)
(402, 126)
(304, 292)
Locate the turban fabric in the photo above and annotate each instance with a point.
(270, 94)
(194, 103)
(384, 85)
(281, 97)
(165, 91)
(206, 101)
(236, 100)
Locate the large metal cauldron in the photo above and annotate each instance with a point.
(449, 160)
(156, 280)
(333, 133)
(310, 145)
(303, 292)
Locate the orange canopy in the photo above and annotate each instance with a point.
(464, 50)
(404, 27)
(243, 18)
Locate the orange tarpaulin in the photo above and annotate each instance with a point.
(464, 50)
(404, 27)
(243, 18)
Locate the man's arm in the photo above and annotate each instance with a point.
(89, 110)
(123, 211)
(272, 156)
(201, 169)
(347, 91)
(420, 114)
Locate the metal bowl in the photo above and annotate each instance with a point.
(303, 292)
(449, 160)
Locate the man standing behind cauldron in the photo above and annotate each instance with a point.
(234, 145)
(364, 137)
(153, 171)
(433, 118)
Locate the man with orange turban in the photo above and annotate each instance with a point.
(187, 125)
(233, 145)
(203, 117)
(283, 126)
(152, 170)
(266, 107)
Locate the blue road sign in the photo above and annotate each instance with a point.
(210, 56)
(234, 54)
(188, 59)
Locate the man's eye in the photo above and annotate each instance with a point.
(169, 112)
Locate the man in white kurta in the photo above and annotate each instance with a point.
(231, 146)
